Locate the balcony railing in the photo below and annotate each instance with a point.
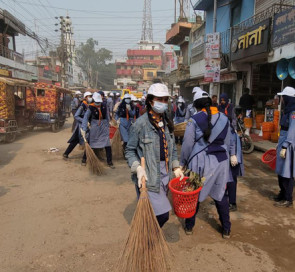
(10, 54)
(259, 17)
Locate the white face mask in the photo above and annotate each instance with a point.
(128, 100)
(89, 100)
(135, 103)
(159, 107)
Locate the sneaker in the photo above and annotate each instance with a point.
(65, 156)
(83, 163)
(226, 234)
(233, 207)
(284, 203)
(188, 231)
(111, 166)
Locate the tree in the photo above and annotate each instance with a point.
(96, 64)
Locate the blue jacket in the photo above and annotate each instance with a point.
(144, 141)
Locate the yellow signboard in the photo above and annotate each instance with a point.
(4, 73)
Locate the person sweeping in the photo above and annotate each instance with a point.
(152, 137)
(79, 115)
(99, 134)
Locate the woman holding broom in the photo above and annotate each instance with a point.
(205, 151)
(99, 134)
(79, 114)
(152, 137)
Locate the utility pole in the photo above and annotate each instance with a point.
(65, 50)
(215, 16)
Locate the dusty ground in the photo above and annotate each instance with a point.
(55, 216)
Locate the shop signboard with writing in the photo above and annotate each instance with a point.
(284, 27)
(251, 42)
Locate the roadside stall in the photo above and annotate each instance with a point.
(17, 107)
(50, 106)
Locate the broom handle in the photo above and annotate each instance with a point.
(84, 138)
(142, 161)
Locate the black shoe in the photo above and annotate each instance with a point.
(226, 234)
(188, 231)
(277, 198)
(66, 156)
(111, 166)
(284, 203)
(233, 207)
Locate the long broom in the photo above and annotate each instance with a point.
(146, 249)
(95, 166)
(117, 148)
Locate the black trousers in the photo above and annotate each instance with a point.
(223, 212)
(232, 191)
(286, 188)
(73, 143)
(108, 150)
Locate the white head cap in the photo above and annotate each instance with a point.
(117, 94)
(159, 90)
(97, 98)
(289, 91)
(111, 94)
(127, 96)
(77, 93)
(87, 93)
(200, 94)
(196, 89)
(180, 100)
(133, 98)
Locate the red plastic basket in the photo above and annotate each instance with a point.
(270, 158)
(112, 131)
(184, 203)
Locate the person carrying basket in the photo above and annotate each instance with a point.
(205, 151)
(285, 166)
(151, 137)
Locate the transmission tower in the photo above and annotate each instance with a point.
(147, 25)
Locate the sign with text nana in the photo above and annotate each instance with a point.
(251, 42)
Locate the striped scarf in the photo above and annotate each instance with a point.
(162, 131)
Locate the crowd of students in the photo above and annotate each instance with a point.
(210, 147)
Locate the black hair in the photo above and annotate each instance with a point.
(148, 102)
(206, 103)
(246, 90)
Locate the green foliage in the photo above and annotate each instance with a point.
(95, 63)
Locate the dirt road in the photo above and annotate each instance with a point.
(55, 216)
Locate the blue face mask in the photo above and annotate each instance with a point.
(159, 107)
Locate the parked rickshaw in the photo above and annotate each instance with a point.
(50, 106)
(17, 107)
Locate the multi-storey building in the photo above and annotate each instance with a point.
(141, 66)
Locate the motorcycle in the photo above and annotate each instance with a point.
(246, 140)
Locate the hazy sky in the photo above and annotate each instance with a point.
(115, 24)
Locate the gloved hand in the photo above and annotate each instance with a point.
(83, 134)
(178, 173)
(233, 160)
(140, 174)
(283, 153)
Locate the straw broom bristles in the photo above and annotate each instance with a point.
(146, 249)
(94, 165)
(117, 148)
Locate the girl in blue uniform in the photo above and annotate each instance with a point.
(205, 151)
(236, 162)
(285, 164)
(79, 114)
(180, 116)
(125, 115)
(99, 134)
(152, 137)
